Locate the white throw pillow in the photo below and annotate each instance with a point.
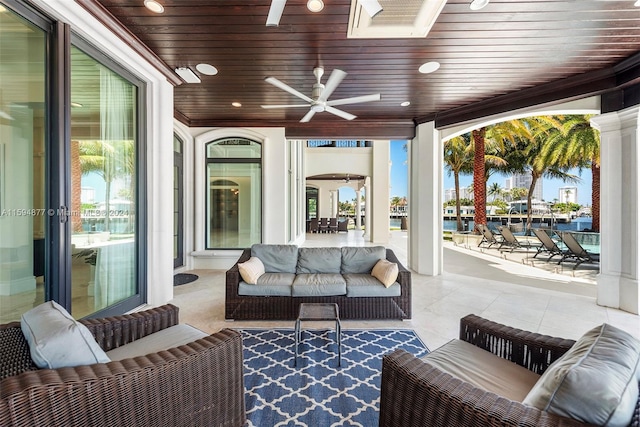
(251, 270)
(596, 381)
(57, 340)
(386, 272)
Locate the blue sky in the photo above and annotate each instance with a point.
(399, 172)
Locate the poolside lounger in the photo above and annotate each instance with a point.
(488, 237)
(511, 241)
(576, 251)
(548, 245)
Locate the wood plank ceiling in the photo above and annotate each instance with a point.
(511, 53)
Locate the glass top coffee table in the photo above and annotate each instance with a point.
(317, 312)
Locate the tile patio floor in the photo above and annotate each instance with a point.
(504, 290)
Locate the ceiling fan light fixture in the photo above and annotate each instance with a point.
(429, 67)
(187, 75)
(153, 6)
(315, 6)
(478, 4)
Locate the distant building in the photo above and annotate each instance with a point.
(465, 193)
(523, 180)
(568, 194)
(88, 195)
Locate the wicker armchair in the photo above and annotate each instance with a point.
(415, 393)
(198, 384)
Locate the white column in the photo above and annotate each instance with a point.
(334, 203)
(358, 211)
(380, 181)
(619, 209)
(367, 208)
(425, 201)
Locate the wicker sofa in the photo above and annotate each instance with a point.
(197, 384)
(240, 306)
(416, 393)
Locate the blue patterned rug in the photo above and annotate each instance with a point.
(317, 392)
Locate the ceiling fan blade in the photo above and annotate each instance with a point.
(285, 106)
(307, 116)
(275, 12)
(354, 100)
(334, 80)
(372, 7)
(339, 113)
(286, 87)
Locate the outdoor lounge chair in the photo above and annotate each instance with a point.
(198, 383)
(455, 385)
(511, 241)
(548, 245)
(488, 237)
(575, 251)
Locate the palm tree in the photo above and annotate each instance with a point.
(494, 191)
(479, 183)
(578, 144)
(395, 202)
(542, 129)
(457, 159)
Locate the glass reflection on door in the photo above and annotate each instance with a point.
(23, 155)
(103, 186)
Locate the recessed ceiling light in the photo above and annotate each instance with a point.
(2, 8)
(207, 69)
(153, 6)
(76, 104)
(478, 4)
(315, 5)
(429, 67)
(405, 104)
(236, 104)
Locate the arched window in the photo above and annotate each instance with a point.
(234, 193)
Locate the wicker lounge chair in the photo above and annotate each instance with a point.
(575, 251)
(333, 225)
(200, 383)
(415, 393)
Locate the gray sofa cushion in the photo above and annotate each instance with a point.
(269, 284)
(308, 285)
(596, 381)
(483, 369)
(365, 285)
(276, 258)
(164, 339)
(361, 259)
(319, 260)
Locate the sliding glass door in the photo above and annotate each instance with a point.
(71, 172)
(23, 156)
(104, 186)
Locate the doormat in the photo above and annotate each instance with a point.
(184, 278)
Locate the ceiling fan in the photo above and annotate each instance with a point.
(372, 7)
(319, 102)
